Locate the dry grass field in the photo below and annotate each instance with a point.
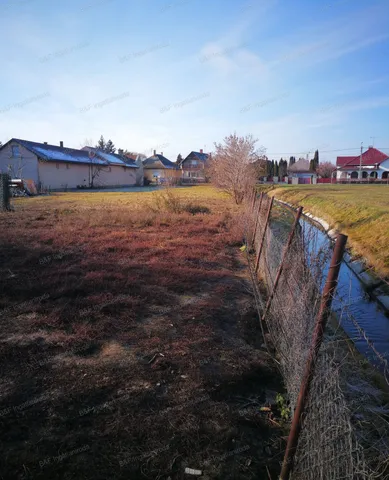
(360, 211)
(129, 342)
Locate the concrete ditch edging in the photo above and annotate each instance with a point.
(371, 282)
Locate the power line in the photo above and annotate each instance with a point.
(305, 151)
(322, 151)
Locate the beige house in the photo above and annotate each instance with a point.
(159, 169)
(59, 168)
(194, 167)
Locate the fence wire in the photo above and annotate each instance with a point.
(333, 440)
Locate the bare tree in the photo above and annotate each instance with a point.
(88, 142)
(95, 168)
(325, 169)
(15, 169)
(236, 165)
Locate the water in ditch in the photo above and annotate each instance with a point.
(359, 314)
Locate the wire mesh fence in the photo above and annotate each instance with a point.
(4, 192)
(291, 260)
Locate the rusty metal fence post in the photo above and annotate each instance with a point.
(263, 234)
(254, 196)
(321, 320)
(257, 213)
(283, 258)
(5, 194)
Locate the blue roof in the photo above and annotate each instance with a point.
(203, 157)
(155, 158)
(112, 158)
(64, 154)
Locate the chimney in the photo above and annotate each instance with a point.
(155, 152)
(61, 144)
(161, 153)
(371, 146)
(45, 143)
(201, 150)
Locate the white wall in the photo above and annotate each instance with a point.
(115, 176)
(384, 167)
(63, 175)
(346, 174)
(67, 175)
(27, 163)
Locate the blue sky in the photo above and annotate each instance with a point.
(177, 76)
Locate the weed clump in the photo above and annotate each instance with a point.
(168, 201)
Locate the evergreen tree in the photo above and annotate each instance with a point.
(101, 143)
(281, 168)
(276, 169)
(268, 168)
(179, 159)
(312, 165)
(316, 159)
(110, 147)
(292, 160)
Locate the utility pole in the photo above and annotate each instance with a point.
(360, 163)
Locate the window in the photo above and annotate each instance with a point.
(354, 174)
(194, 163)
(364, 174)
(15, 151)
(373, 175)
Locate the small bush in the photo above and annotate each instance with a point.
(173, 203)
(193, 208)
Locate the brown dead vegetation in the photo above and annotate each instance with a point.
(129, 343)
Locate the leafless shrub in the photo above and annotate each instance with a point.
(169, 201)
(236, 165)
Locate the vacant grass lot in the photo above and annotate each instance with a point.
(129, 344)
(360, 211)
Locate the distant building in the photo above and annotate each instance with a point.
(58, 168)
(299, 172)
(193, 166)
(375, 165)
(159, 169)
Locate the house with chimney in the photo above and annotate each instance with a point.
(159, 169)
(372, 165)
(194, 167)
(300, 172)
(56, 167)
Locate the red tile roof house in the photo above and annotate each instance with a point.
(193, 167)
(375, 166)
(55, 167)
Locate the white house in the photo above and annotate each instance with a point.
(372, 165)
(299, 172)
(58, 168)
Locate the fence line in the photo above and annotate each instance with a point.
(292, 264)
(4, 192)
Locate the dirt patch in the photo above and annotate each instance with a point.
(134, 355)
